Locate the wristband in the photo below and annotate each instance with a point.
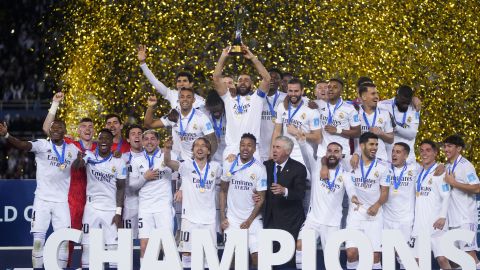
(118, 211)
(339, 130)
(54, 107)
(6, 136)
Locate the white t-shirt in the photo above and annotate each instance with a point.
(52, 182)
(243, 115)
(199, 207)
(431, 202)
(368, 189)
(406, 126)
(344, 117)
(243, 183)
(401, 198)
(154, 195)
(383, 122)
(131, 195)
(102, 175)
(195, 125)
(305, 119)
(463, 206)
(270, 105)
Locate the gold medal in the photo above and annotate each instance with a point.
(202, 190)
(229, 174)
(274, 119)
(395, 190)
(63, 166)
(418, 194)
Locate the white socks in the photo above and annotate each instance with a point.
(298, 259)
(186, 261)
(377, 265)
(37, 251)
(352, 265)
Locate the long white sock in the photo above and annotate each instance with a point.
(352, 265)
(112, 247)
(85, 256)
(186, 261)
(377, 265)
(298, 259)
(63, 254)
(37, 251)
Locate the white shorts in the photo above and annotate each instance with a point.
(371, 228)
(435, 244)
(404, 228)
(99, 219)
(159, 220)
(253, 231)
(321, 230)
(130, 220)
(471, 246)
(45, 212)
(185, 244)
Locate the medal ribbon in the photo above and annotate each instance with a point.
(96, 157)
(290, 116)
(234, 164)
(239, 106)
(365, 177)
(404, 118)
(202, 180)
(271, 107)
(182, 130)
(452, 170)
(366, 119)
(151, 162)
(217, 128)
(331, 185)
(396, 183)
(61, 159)
(422, 178)
(119, 145)
(330, 114)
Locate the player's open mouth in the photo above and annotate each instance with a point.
(103, 146)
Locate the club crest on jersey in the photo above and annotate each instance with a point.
(247, 97)
(341, 115)
(409, 119)
(162, 164)
(376, 174)
(69, 155)
(253, 176)
(212, 174)
(380, 120)
(430, 181)
(114, 169)
(410, 173)
(303, 116)
(340, 179)
(195, 126)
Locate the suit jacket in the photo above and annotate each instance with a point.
(282, 212)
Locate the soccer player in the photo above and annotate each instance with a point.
(398, 211)
(106, 176)
(152, 180)
(286, 77)
(199, 178)
(269, 114)
(230, 84)
(325, 211)
(241, 179)
(244, 111)
(297, 117)
(462, 177)
(190, 125)
(372, 181)
(114, 124)
(77, 193)
(215, 109)
(54, 158)
(431, 204)
(133, 133)
(374, 119)
(339, 120)
(405, 118)
(321, 90)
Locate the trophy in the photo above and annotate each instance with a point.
(236, 48)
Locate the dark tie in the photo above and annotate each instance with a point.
(279, 169)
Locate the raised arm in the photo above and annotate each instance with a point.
(21, 145)
(217, 73)
(277, 131)
(212, 138)
(167, 158)
(57, 98)
(149, 121)
(307, 155)
(265, 83)
(142, 56)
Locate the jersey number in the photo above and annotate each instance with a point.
(85, 228)
(184, 236)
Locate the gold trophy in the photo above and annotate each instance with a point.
(236, 48)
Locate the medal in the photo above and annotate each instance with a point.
(274, 119)
(290, 115)
(271, 107)
(239, 106)
(418, 194)
(455, 163)
(202, 180)
(331, 185)
(395, 191)
(232, 170)
(398, 180)
(96, 161)
(60, 158)
(182, 130)
(365, 176)
(151, 162)
(63, 166)
(202, 190)
(330, 114)
(229, 174)
(217, 127)
(366, 119)
(421, 178)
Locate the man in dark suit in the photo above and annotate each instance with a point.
(286, 180)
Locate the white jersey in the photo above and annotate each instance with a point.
(270, 105)
(431, 203)
(367, 187)
(244, 115)
(463, 206)
(189, 128)
(242, 184)
(102, 175)
(304, 119)
(197, 206)
(154, 195)
(171, 95)
(380, 119)
(345, 117)
(131, 195)
(405, 125)
(53, 183)
(401, 198)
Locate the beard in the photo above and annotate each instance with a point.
(332, 163)
(244, 90)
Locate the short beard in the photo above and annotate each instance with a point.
(249, 89)
(332, 165)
